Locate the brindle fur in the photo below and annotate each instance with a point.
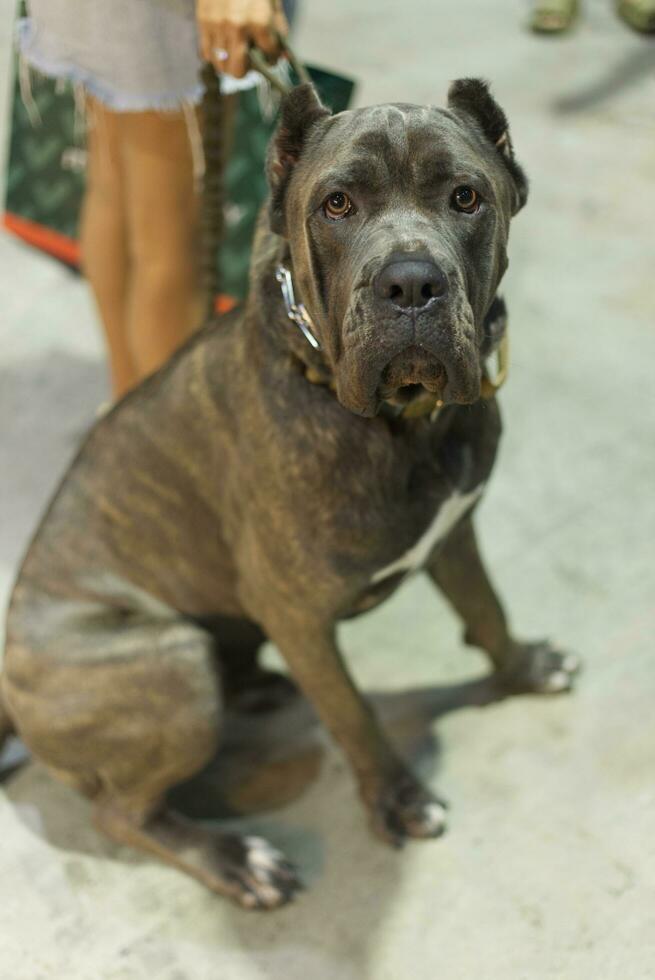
(229, 498)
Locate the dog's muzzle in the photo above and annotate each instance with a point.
(409, 374)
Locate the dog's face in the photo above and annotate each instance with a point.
(397, 218)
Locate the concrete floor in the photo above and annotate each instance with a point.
(548, 870)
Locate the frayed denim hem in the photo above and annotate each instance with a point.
(80, 79)
(114, 100)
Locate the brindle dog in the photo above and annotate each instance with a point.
(257, 487)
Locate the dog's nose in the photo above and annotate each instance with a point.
(410, 283)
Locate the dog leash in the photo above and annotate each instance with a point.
(260, 64)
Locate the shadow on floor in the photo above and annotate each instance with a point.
(629, 71)
(331, 931)
(268, 761)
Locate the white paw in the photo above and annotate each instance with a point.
(541, 668)
(433, 819)
(269, 879)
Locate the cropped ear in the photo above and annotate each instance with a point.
(471, 97)
(301, 110)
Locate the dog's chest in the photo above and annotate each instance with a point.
(448, 514)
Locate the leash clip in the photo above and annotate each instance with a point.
(295, 311)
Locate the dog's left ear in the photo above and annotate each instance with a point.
(471, 97)
(301, 111)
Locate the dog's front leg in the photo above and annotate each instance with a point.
(399, 806)
(459, 572)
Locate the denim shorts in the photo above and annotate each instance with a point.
(132, 55)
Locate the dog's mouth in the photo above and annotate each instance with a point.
(410, 374)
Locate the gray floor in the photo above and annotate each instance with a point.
(548, 870)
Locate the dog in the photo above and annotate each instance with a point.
(286, 470)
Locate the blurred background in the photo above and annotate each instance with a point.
(548, 868)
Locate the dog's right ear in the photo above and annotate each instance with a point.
(301, 110)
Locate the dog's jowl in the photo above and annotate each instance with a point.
(286, 470)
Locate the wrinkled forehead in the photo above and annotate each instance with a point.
(396, 144)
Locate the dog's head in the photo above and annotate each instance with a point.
(397, 218)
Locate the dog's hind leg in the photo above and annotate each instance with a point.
(246, 869)
(459, 572)
(123, 708)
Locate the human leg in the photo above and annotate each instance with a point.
(103, 236)
(165, 298)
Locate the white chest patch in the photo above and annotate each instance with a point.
(446, 517)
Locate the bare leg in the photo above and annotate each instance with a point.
(166, 303)
(103, 233)
(460, 574)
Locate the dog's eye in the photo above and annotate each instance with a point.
(338, 205)
(465, 199)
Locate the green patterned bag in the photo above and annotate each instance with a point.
(45, 181)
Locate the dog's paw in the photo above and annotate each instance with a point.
(540, 668)
(261, 877)
(404, 809)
